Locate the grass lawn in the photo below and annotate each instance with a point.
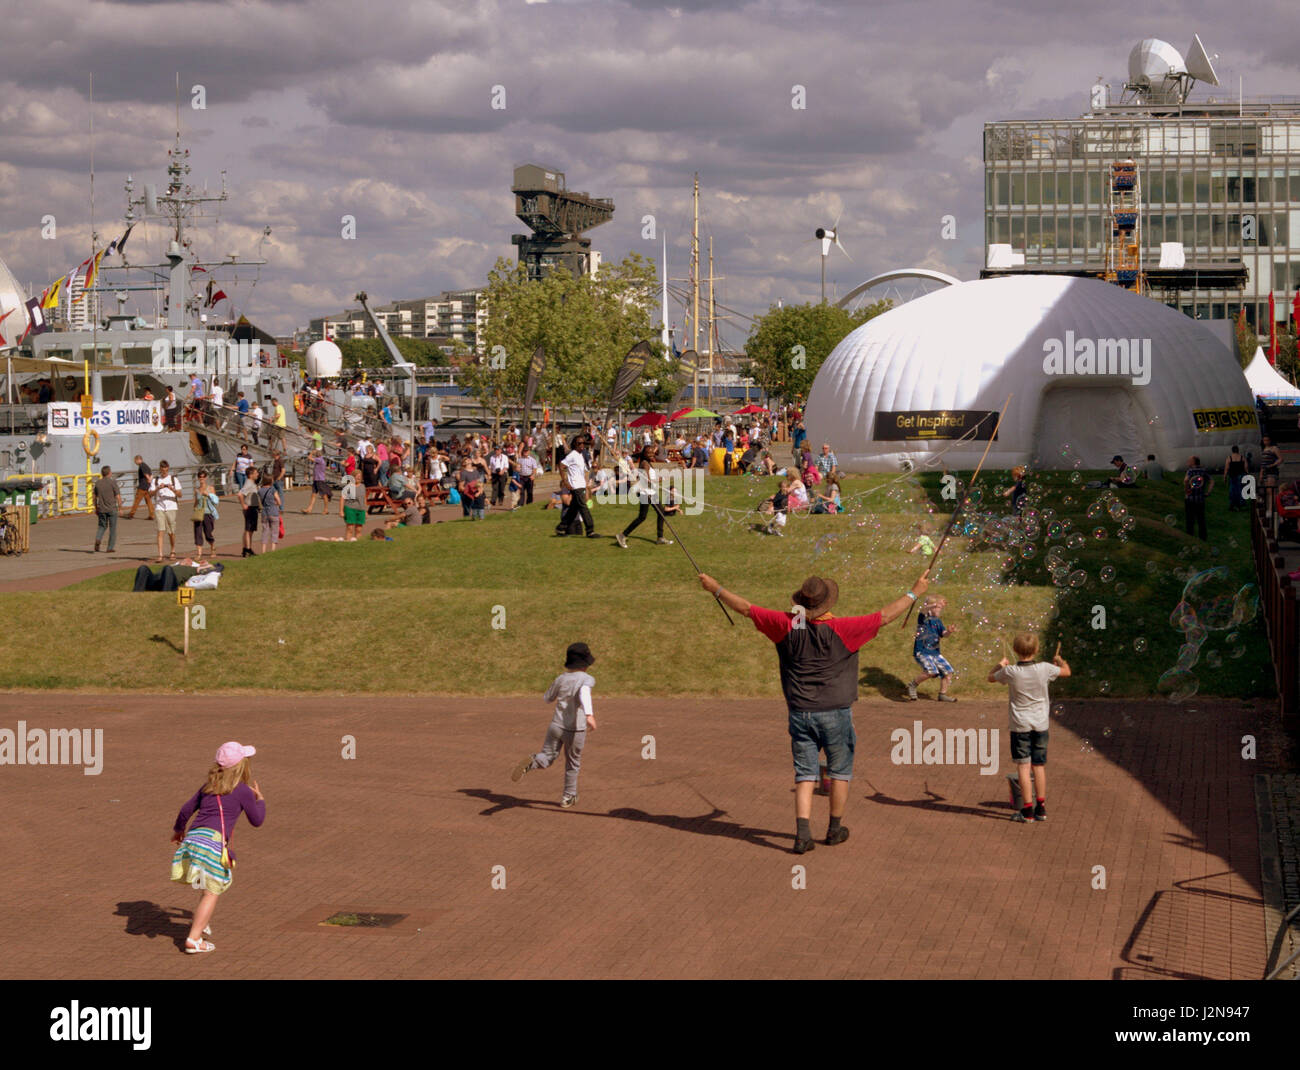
(418, 614)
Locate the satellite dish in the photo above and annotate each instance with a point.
(1198, 63)
(1153, 61)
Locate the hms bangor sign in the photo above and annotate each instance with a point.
(108, 418)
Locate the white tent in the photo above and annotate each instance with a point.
(1094, 369)
(1266, 381)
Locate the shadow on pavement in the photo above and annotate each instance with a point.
(705, 824)
(144, 918)
(997, 810)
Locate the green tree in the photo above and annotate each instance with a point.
(787, 345)
(586, 326)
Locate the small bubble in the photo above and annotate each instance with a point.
(1085, 747)
(1076, 541)
(1104, 688)
(1107, 573)
(1078, 578)
(1096, 509)
(1058, 710)
(1152, 568)
(1140, 645)
(1028, 550)
(1214, 659)
(1171, 520)
(1121, 588)
(1117, 511)
(1099, 533)
(1076, 478)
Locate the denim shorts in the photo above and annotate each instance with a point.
(825, 730)
(1029, 747)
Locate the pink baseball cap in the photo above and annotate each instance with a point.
(232, 753)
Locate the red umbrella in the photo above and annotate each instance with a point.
(650, 419)
(749, 410)
(678, 413)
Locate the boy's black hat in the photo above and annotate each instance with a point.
(578, 656)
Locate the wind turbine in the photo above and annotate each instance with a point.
(829, 236)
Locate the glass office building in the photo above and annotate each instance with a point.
(1222, 179)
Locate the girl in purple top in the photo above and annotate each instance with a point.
(229, 791)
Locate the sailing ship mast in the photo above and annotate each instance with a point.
(695, 289)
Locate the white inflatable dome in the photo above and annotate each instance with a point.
(324, 360)
(1095, 371)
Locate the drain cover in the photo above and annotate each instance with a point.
(360, 920)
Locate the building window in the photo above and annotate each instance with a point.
(1049, 187)
(1003, 187)
(1079, 181)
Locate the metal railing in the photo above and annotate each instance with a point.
(1281, 615)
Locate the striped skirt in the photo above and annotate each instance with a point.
(197, 862)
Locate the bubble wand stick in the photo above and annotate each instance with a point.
(962, 504)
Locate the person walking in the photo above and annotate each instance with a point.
(499, 470)
(1234, 471)
(571, 693)
(645, 487)
(527, 468)
(108, 503)
(270, 503)
(167, 493)
(280, 420)
(1197, 485)
(240, 465)
(818, 658)
(203, 858)
(574, 480)
(143, 477)
(204, 517)
(251, 505)
(171, 407)
(320, 487)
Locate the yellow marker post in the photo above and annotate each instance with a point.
(185, 599)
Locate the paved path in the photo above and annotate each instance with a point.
(674, 867)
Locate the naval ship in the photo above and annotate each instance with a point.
(121, 358)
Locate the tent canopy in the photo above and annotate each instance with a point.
(1266, 381)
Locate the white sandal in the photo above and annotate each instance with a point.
(198, 947)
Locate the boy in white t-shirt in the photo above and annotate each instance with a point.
(1028, 704)
(571, 693)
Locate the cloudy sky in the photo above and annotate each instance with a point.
(382, 110)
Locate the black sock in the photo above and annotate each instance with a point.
(1027, 809)
(805, 832)
(835, 823)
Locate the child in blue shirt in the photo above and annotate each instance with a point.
(929, 631)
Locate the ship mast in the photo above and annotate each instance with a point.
(695, 287)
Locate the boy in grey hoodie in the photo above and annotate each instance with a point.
(571, 693)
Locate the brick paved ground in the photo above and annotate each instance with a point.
(676, 867)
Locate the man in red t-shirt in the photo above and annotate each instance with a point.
(818, 656)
